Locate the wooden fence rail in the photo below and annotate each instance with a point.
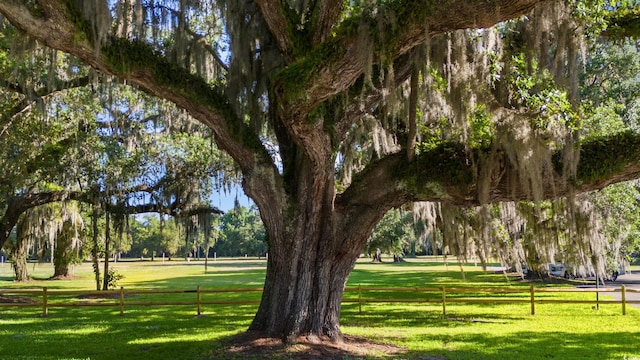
(442, 294)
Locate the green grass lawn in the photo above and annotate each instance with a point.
(467, 331)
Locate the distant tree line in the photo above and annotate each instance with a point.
(238, 232)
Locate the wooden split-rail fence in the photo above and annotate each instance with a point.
(123, 298)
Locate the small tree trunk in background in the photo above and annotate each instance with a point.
(19, 253)
(107, 254)
(20, 265)
(63, 251)
(206, 258)
(94, 250)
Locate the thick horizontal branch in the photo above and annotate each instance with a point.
(447, 174)
(273, 14)
(33, 95)
(172, 210)
(441, 175)
(17, 205)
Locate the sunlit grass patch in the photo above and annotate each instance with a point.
(466, 331)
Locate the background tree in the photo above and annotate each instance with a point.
(19, 252)
(145, 236)
(65, 230)
(51, 232)
(170, 241)
(115, 151)
(403, 100)
(241, 233)
(393, 235)
(617, 207)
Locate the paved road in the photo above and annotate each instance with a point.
(631, 282)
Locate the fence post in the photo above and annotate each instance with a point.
(624, 300)
(532, 290)
(121, 301)
(198, 291)
(359, 299)
(444, 301)
(45, 310)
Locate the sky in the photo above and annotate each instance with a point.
(226, 201)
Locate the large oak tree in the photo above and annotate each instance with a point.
(337, 111)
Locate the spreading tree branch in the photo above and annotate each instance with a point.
(446, 174)
(17, 205)
(31, 95)
(139, 64)
(274, 15)
(326, 14)
(334, 65)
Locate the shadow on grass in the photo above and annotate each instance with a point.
(255, 345)
(529, 345)
(101, 334)
(518, 345)
(412, 316)
(175, 333)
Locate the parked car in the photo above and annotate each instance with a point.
(558, 270)
(523, 269)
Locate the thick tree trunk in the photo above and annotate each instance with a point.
(303, 292)
(313, 248)
(60, 267)
(306, 276)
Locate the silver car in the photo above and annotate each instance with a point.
(558, 270)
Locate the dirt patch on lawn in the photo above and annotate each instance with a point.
(16, 300)
(255, 345)
(106, 295)
(64, 277)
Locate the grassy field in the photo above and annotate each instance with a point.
(468, 331)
